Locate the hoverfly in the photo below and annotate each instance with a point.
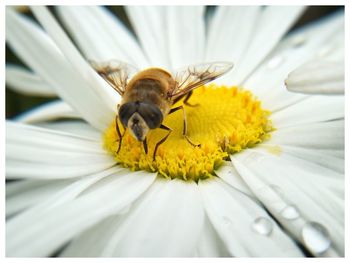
(148, 97)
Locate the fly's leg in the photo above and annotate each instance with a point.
(188, 96)
(120, 135)
(145, 147)
(162, 140)
(184, 130)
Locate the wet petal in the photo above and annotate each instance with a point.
(234, 214)
(296, 180)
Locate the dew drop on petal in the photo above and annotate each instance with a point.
(316, 237)
(263, 226)
(290, 212)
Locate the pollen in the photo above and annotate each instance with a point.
(223, 120)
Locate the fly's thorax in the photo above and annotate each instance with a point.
(151, 86)
(163, 78)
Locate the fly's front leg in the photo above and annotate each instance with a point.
(145, 147)
(162, 140)
(120, 135)
(184, 130)
(188, 96)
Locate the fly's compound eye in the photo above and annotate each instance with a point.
(126, 111)
(151, 115)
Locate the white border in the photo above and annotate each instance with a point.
(179, 2)
(174, 2)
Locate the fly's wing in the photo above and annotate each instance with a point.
(197, 75)
(115, 72)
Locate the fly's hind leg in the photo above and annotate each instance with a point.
(162, 140)
(184, 130)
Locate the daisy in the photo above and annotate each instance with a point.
(266, 181)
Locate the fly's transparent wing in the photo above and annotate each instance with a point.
(116, 73)
(197, 75)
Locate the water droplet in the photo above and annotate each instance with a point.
(274, 62)
(316, 237)
(291, 212)
(263, 226)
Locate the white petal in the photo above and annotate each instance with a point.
(316, 136)
(25, 82)
(317, 77)
(329, 158)
(33, 152)
(186, 36)
(315, 191)
(101, 35)
(92, 242)
(230, 32)
(47, 112)
(78, 187)
(26, 193)
(233, 214)
(229, 174)
(150, 27)
(79, 89)
(39, 232)
(271, 25)
(20, 170)
(77, 127)
(308, 42)
(174, 216)
(33, 135)
(314, 109)
(209, 243)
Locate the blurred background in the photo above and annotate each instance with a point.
(18, 103)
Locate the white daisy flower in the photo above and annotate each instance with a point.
(268, 179)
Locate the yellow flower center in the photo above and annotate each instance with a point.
(222, 120)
